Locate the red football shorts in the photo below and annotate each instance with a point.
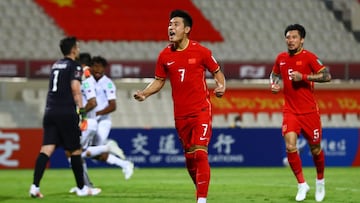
(196, 130)
(309, 125)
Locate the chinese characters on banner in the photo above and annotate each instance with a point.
(19, 147)
(161, 148)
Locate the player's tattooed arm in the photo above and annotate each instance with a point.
(322, 76)
(274, 78)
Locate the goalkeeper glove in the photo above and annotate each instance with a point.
(86, 73)
(83, 119)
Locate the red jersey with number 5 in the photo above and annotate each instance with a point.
(186, 71)
(299, 97)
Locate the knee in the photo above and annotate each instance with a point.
(103, 156)
(47, 150)
(315, 149)
(76, 152)
(196, 153)
(87, 153)
(291, 148)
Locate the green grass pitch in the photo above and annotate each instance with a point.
(173, 185)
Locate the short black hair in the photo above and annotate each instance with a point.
(182, 14)
(99, 60)
(66, 44)
(297, 27)
(85, 58)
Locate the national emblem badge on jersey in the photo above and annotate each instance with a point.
(192, 60)
(78, 72)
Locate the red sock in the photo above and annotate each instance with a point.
(319, 161)
(295, 164)
(191, 165)
(202, 173)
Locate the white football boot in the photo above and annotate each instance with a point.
(303, 189)
(35, 192)
(320, 190)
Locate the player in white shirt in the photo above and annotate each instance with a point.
(106, 104)
(89, 100)
(107, 151)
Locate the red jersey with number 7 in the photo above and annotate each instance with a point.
(299, 97)
(186, 71)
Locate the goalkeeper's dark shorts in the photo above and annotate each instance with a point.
(62, 130)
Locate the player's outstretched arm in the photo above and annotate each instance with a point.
(150, 89)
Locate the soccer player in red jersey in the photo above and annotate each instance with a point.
(185, 62)
(299, 69)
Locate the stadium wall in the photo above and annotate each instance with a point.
(15, 75)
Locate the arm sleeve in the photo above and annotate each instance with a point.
(210, 62)
(315, 63)
(76, 72)
(110, 90)
(160, 67)
(276, 66)
(89, 89)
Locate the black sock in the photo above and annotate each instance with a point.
(78, 170)
(40, 166)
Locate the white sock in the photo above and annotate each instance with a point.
(114, 160)
(84, 166)
(201, 200)
(95, 150)
(322, 181)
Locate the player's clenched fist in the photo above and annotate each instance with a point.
(86, 72)
(83, 125)
(219, 90)
(83, 119)
(275, 88)
(139, 95)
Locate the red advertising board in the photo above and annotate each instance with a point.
(258, 100)
(19, 148)
(236, 70)
(337, 70)
(354, 71)
(246, 70)
(37, 69)
(116, 69)
(132, 69)
(12, 68)
(40, 68)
